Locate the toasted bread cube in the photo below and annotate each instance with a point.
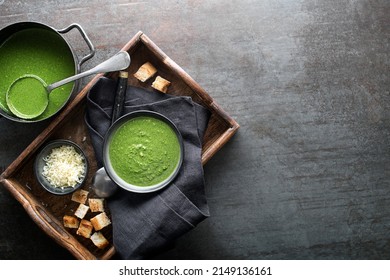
(161, 84)
(80, 196)
(81, 211)
(85, 229)
(96, 204)
(70, 221)
(145, 72)
(99, 240)
(100, 221)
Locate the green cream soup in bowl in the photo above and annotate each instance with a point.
(143, 151)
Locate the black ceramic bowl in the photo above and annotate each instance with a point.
(106, 158)
(40, 163)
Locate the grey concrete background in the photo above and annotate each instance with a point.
(307, 176)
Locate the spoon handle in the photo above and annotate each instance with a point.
(68, 80)
(119, 61)
(120, 95)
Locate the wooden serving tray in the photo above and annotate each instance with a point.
(47, 210)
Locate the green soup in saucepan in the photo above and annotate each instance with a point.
(39, 52)
(144, 151)
(31, 89)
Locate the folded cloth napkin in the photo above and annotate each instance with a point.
(144, 224)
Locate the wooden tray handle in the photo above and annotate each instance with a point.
(46, 221)
(57, 232)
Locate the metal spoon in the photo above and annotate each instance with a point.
(102, 184)
(119, 61)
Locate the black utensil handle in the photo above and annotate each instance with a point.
(120, 95)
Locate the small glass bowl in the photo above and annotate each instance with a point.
(40, 163)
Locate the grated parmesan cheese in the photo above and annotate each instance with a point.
(64, 167)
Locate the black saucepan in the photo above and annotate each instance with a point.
(57, 34)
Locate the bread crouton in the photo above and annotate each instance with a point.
(81, 211)
(80, 196)
(100, 221)
(161, 84)
(85, 228)
(70, 221)
(145, 72)
(99, 240)
(96, 204)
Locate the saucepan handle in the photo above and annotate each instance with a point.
(86, 39)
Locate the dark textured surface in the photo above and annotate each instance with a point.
(307, 176)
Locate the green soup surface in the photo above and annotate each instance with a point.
(144, 151)
(40, 52)
(28, 89)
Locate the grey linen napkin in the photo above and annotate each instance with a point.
(144, 224)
